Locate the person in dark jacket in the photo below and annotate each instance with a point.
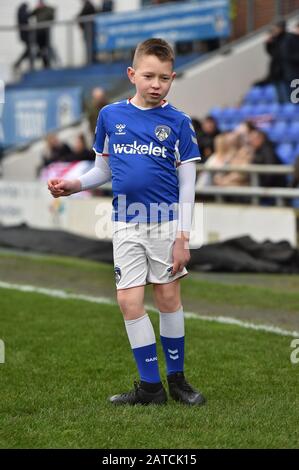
(25, 36)
(291, 58)
(56, 151)
(206, 137)
(264, 154)
(274, 47)
(43, 13)
(87, 28)
(107, 6)
(81, 150)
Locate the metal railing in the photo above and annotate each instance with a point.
(254, 192)
(70, 48)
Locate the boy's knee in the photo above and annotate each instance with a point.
(130, 307)
(167, 300)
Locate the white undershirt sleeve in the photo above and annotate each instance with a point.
(98, 175)
(187, 177)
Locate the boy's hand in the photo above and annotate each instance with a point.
(180, 252)
(60, 187)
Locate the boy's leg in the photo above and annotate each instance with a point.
(172, 333)
(143, 343)
(140, 333)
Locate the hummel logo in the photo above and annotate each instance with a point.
(171, 354)
(120, 128)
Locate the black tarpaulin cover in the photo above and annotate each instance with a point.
(241, 254)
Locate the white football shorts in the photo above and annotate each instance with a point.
(143, 253)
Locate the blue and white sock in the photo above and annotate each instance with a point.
(143, 343)
(172, 331)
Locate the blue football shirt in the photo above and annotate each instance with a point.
(145, 147)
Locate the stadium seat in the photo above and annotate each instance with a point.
(293, 131)
(274, 109)
(216, 112)
(246, 111)
(261, 108)
(230, 114)
(255, 95)
(289, 111)
(278, 132)
(270, 94)
(286, 153)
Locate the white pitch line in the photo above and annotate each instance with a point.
(106, 300)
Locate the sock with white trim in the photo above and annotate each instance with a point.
(143, 343)
(172, 334)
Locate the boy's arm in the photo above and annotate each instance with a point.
(98, 175)
(95, 177)
(181, 253)
(187, 177)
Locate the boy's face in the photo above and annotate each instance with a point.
(152, 79)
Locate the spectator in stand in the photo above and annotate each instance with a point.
(220, 158)
(43, 13)
(291, 60)
(23, 15)
(56, 151)
(209, 132)
(97, 102)
(243, 130)
(264, 154)
(107, 6)
(274, 46)
(238, 155)
(198, 131)
(87, 28)
(81, 150)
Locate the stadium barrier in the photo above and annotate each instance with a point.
(254, 192)
(31, 203)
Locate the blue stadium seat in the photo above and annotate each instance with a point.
(261, 108)
(216, 112)
(289, 111)
(254, 95)
(278, 132)
(230, 114)
(286, 153)
(293, 131)
(274, 109)
(246, 111)
(224, 125)
(270, 94)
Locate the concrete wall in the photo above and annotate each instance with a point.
(33, 204)
(222, 80)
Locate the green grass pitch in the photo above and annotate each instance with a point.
(65, 357)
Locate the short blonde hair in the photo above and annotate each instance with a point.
(154, 46)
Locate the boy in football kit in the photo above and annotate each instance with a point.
(149, 149)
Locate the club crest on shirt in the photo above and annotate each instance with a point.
(162, 132)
